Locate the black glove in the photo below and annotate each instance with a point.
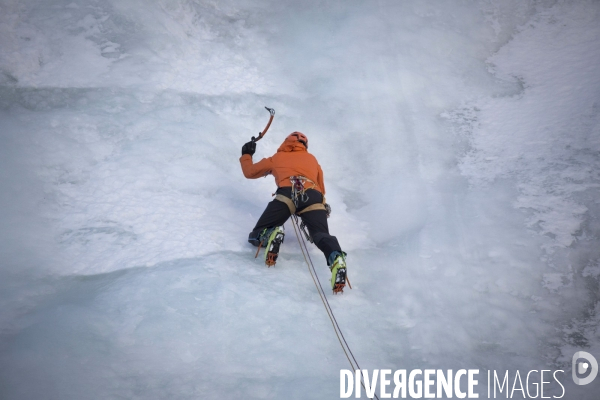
(328, 209)
(249, 148)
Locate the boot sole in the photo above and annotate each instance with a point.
(273, 249)
(340, 281)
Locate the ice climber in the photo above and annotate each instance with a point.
(300, 191)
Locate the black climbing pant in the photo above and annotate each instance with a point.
(277, 212)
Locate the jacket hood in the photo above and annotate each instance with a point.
(291, 145)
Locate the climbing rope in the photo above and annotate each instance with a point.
(334, 323)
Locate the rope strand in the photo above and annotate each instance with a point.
(317, 282)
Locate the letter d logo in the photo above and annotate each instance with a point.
(580, 368)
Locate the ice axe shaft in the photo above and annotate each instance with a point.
(261, 134)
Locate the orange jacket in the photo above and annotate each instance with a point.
(291, 159)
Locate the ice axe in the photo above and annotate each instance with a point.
(261, 134)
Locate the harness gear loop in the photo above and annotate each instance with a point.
(299, 188)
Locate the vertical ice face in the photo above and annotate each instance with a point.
(544, 143)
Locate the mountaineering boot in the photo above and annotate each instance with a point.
(274, 240)
(338, 274)
(254, 237)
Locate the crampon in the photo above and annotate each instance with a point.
(271, 259)
(272, 248)
(338, 274)
(340, 281)
(339, 288)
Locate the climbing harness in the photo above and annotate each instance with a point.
(299, 195)
(317, 282)
(261, 134)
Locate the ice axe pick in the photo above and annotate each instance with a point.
(261, 134)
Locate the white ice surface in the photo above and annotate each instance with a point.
(460, 143)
